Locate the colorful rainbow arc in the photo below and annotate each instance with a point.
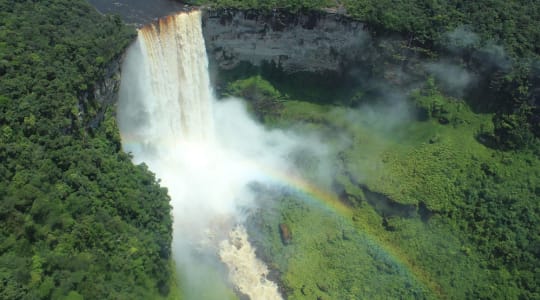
(333, 203)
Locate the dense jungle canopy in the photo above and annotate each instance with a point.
(79, 221)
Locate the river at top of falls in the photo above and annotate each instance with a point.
(206, 152)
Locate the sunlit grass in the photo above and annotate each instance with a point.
(437, 163)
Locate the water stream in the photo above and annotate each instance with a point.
(206, 152)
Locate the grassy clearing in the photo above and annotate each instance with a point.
(474, 239)
(331, 260)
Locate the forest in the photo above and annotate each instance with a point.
(80, 221)
(496, 39)
(467, 163)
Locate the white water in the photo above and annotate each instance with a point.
(246, 271)
(205, 152)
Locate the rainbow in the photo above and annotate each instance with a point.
(313, 192)
(332, 202)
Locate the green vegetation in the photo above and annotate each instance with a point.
(79, 220)
(330, 260)
(266, 4)
(473, 232)
(495, 39)
(515, 24)
(264, 98)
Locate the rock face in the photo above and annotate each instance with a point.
(310, 41)
(105, 93)
(285, 233)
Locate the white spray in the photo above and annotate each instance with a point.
(205, 152)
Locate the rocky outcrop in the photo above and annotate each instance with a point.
(93, 105)
(306, 41)
(285, 233)
(315, 42)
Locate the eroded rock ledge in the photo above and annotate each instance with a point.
(304, 41)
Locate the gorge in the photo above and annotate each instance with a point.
(338, 55)
(277, 149)
(204, 152)
(217, 163)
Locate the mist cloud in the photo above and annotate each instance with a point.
(460, 38)
(495, 56)
(452, 78)
(208, 154)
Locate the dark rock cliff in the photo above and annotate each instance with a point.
(305, 41)
(308, 41)
(94, 104)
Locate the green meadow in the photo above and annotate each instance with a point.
(432, 211)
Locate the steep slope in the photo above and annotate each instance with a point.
(78, 219)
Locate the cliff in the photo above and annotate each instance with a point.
(313, 42)
(104, 93)
(308, 41)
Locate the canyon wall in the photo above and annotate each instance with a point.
(309, 41)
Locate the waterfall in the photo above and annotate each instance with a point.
(166, 116)
(176, 61)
